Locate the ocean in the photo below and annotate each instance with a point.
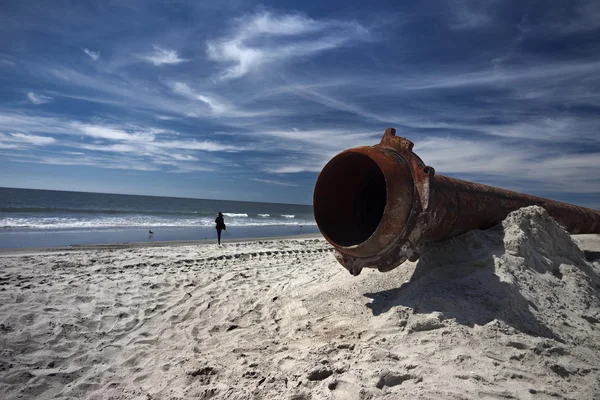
(41, 218)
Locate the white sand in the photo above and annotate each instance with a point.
(503, 313)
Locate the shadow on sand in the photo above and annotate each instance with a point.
(457, 277)
(592, 256)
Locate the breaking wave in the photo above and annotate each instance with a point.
(133, 221)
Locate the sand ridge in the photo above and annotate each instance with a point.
(511, 312)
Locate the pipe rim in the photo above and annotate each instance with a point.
(399, 190)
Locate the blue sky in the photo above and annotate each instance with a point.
(248, 100)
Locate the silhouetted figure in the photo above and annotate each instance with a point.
(220, 226)
(150, 232)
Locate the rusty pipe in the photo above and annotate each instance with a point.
(376, 204)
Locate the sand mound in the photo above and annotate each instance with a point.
(523, 281)
(511, 312)
(526, 272)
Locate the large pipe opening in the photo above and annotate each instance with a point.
(350, 198)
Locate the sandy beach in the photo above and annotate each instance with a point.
(508, 313)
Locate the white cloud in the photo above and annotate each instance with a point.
(198, 145)
(182, 157)
(185, 90)
(265, 38)
(532, 87)
(21, 141)
(293, 169)
(117, 148)
(131, 137)
(273, 182)
(38, 98)
(33, 139)
(165, 148)
(115, 156)
(135, 94)
(518, 166)
(132, 94)
(118, 91)
(113, 133)
(548, 129)
(182, 168)
(529, 167)
(17, 140)
(534, 75)
(121, 146)
(322, 143)
(73, 158)
(162, 56)
(93, 54)
(333, 103)
(212, 106)
(34, 123)
(98, 162)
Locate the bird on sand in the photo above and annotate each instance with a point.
(150, 232)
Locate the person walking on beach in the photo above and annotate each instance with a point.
(220, 226)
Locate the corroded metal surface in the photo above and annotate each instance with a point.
(376, 204)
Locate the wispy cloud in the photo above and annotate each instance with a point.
(550, 21)
(185, 90)
(588, 12)
(116, 148)
(265, 38)
(33, 139)
(122, 133)
(148, 148)
(205, 145)
(168, 100)
(165, 117)
(38, 98)
(161, 56)
(273, 182)
(532, 75)
(93, 54)
(469, 14)
(295, 168)
(538, 167)
(87, 160)
(209, 105)
(18, 140)
(112, 133)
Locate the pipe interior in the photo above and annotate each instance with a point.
(350, 198)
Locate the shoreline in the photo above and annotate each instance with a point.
(20, 251)
(588, 242)
(69, 238)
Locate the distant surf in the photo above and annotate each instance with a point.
(43, 210)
